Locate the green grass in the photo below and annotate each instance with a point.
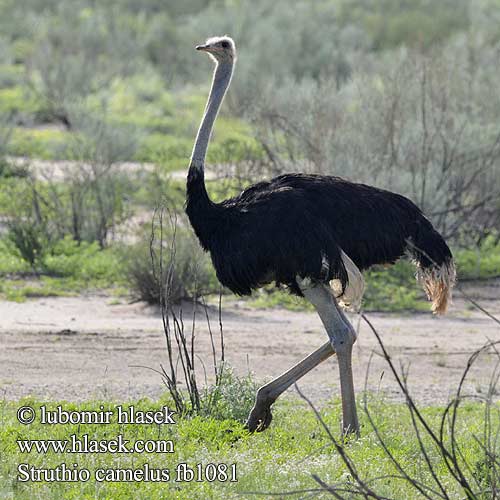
(280, 459)
(67, 269)
(393, 289)
(84, 261)
(19, 290)
(270, 297)
(13, 194)
(16, 100)
(170, 150)
(10, 260)
(47, 144)
(70, 269)
(11, 75)
(481, 263)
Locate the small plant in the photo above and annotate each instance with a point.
(29, 240)
(393, 289)
(232, 397)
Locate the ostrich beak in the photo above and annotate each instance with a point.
(204, 48)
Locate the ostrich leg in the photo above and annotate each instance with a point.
(342, 337)
(260, 416)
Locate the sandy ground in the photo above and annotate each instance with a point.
(89, 347)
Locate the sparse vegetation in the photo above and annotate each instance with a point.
(67, 268)
(402, 94)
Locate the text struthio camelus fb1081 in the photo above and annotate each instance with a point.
(313, 233)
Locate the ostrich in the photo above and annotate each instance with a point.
(314, 234)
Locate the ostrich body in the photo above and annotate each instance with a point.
(313, 233)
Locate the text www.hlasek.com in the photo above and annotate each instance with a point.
(84, 444)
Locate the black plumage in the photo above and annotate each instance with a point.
(297, 224)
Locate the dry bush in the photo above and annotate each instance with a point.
(191, 272)
(439, 447)
(88, 197)
(78, 52)
(474, 480)
(422, 124)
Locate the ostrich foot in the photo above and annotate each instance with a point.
(259, 419)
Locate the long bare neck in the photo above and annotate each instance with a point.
(220, 83)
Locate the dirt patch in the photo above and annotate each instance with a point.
(79, 348)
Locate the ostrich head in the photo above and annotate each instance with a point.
(220, 48)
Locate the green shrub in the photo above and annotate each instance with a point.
(37, 143)
(29, 239)
(391, 23)
(14, 195)
(63, 266)
(10, 76)
(232, 398)
(84, 261)
(11, 260)
(171, 152)
(8, 169)
(393, 289)
(271, 297)
(480, 263)
(16, 100)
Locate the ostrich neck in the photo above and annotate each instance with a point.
(220, 83)
(198, 204)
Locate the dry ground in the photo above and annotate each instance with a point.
(86, 347)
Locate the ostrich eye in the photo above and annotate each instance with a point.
(224, 44)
